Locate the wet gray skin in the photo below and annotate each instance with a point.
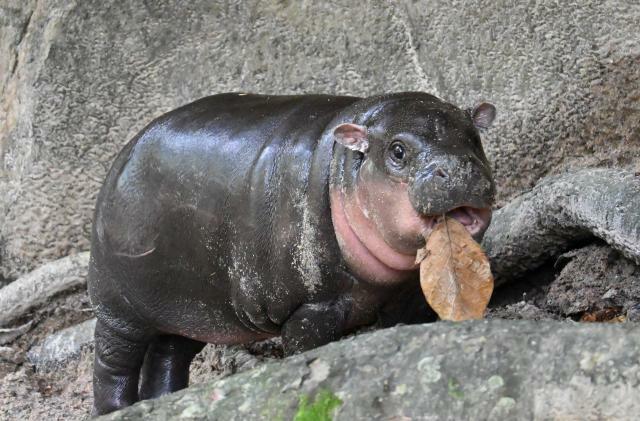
(242, 217)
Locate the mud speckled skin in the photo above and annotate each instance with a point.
(214, 224)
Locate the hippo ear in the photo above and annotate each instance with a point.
(352, 136)
(483, 115)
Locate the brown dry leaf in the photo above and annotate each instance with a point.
(607, 315)
(454, 273)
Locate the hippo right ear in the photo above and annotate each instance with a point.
(352, 136)
(483, 115)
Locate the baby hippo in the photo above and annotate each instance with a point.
(242, 217)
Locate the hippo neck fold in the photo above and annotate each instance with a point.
(370, 258)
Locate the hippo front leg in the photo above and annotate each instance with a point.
(315, 324)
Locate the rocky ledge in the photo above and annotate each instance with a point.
(473, 370)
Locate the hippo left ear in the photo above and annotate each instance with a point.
(352, 136)
(483, 115)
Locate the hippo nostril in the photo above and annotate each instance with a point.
(439, 172)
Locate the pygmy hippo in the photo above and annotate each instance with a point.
(242, 217)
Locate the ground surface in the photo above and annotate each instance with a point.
(592, 282)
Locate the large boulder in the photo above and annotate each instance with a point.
(82, 77)
(495, 370)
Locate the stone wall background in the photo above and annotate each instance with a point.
(80, 78)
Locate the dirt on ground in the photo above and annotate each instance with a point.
(63, 391)
(592, 283)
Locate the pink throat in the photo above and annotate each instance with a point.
(368, 255)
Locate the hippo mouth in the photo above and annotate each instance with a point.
(475, 220)
(372, 257)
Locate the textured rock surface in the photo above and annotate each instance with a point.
(475, 370)
(560, 211)
(59, 347)
(83, 76)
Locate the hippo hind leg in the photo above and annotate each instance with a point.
(166, 365)
(119, 354)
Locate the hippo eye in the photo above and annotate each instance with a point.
(397, 151)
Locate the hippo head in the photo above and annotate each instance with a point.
(409, 160)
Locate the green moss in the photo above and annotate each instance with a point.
(454, 389)
(320, 409)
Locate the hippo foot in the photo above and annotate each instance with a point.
(166, 365)
(560, 212)
(158, 365)
(314, 325)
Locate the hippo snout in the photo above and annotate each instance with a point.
(451, 182)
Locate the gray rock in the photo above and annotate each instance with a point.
(83, 76)
(560, 212)
(37, 287)
(61, 346)
(467, 371)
